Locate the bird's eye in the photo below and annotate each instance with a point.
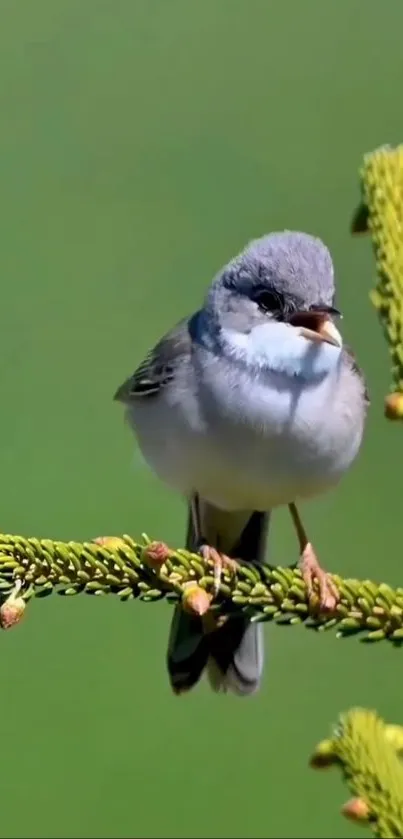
(270, 301)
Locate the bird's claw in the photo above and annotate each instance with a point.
(221, 562)
(312, 572)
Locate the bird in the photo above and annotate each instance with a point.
(250, 404)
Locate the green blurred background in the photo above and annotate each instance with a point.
(142, 143)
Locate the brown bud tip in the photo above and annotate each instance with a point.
(109, 541)
(394, 406)
(155, 554)
(356, 810)
(195, 599)
(324, 755)
(12, 610)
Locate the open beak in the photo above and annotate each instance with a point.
(318, 326)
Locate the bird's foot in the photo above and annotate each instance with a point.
(220, 562)
(312, 572)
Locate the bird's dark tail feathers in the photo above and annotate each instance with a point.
(232, 654)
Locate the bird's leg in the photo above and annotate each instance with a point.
(311, 570)
(220, 563)
(219, 560)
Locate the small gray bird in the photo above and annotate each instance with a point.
(249, 404)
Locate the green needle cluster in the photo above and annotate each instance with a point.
(381, 214)
(151, 571)
(367, 751)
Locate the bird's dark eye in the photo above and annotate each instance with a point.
(270, 301)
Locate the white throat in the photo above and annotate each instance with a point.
(278, 348)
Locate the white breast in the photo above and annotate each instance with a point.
(252, 443)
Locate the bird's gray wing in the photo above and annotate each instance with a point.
(158, 368)
(357, 369)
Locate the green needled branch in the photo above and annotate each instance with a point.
(381, 214)
(367, 751)
(150, 571)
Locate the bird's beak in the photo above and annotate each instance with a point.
(317, 326)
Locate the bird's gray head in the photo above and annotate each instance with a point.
(284, 279)
(277, 275)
